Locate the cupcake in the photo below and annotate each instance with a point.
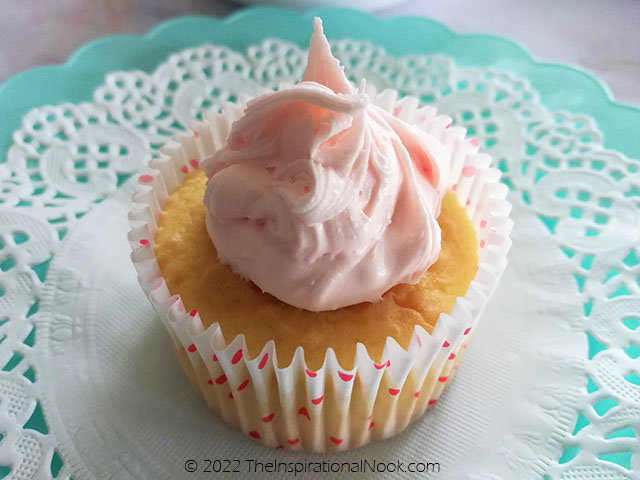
(319, 256)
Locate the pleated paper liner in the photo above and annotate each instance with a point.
(331, 408)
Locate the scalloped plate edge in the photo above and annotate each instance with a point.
(76, 79)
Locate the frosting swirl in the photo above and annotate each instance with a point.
(321, 198)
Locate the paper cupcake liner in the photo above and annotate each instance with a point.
(331, 408)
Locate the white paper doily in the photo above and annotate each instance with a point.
(520, 380)
(512, 408)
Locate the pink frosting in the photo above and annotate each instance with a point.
(321, 198)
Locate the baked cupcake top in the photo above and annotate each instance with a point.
(321, 198)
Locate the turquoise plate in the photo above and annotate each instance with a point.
(561, 87)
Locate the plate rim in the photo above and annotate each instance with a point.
(85, 69)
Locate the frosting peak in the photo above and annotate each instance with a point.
(321, 198)
(322, 66)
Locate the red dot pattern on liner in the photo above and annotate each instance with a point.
(236, 357)
(397, 110)
(263, 362)
(475, 142)
(184, 169)
(145, 178)
(193, 312)
(304, 412)
(468, 171)
(196, 133)
(419, 340)
(482, 243)
(194, 163)
(144, 241)
(483, 224)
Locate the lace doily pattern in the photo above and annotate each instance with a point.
(66, 158)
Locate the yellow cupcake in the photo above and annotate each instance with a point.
(189, 263)
(336, 378)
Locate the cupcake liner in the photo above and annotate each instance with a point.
(331, 408)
